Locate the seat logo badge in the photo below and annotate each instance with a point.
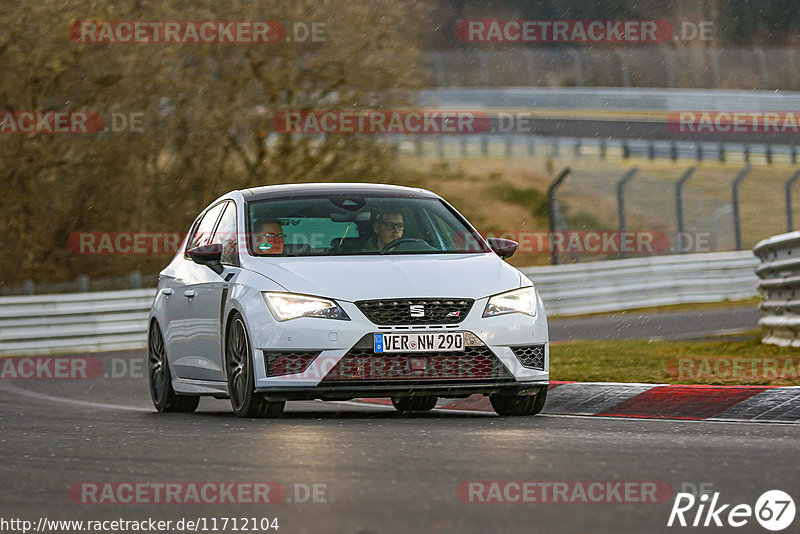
(417, 310)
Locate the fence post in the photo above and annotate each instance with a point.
(737, 230)
(136, 280)
(28, 288)
(551, 211)
(627, 177)
(679, 204)
(788, 187)
(83, 283)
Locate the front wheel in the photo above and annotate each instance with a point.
(241, 382)
(519, 404)
(164, 397)
(414, 404)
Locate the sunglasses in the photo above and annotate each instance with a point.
(392, 226)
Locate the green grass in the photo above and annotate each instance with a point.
(651, 361)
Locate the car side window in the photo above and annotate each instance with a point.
(202, 232)
(226, 234)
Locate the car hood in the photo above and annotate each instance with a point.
(352, 278)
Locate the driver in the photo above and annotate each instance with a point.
(388, 226)
(269, 237)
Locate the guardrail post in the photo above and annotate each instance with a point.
(418, 146)
(531, 146)
(788, 187)
(463, 147)
(576, 147)
(28, 288)
(509, 146)
(721, 152)
(768, 154)
(554, 147)
(627, 177)
(793, 154)
(746, 153)
(737, 230)
(651, 150)
(603, 148)
(83, 283)
(698, 151)
(551, 210)
(673, 150)
(136, 280)
(626, 151)
(679, 204)
(484, 146)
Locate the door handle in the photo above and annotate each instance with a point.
(189, 293)
(167, 291)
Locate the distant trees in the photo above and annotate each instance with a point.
(205, 112)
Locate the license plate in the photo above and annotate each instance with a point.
(420, 342)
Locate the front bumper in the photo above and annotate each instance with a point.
(338, 344)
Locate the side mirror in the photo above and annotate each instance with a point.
(505, 248)
(208, 255)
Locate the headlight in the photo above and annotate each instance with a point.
(518, 301)
(285, 306)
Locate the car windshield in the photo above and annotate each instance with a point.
(346, 225)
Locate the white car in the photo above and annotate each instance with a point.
(341, 291)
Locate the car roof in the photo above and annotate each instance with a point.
(321, 189)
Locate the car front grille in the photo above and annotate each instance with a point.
(280, 363)
(415, 311)
(362, 365)
(530, 356)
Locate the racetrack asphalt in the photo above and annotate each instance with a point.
(382, 472)
(677, 325)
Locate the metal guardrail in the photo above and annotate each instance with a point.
(780, 286)
(74, 322)
(117, 320)
(607, 99)
(642, 282)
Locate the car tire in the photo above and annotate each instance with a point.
(241, 382)
(164, 397)
(414, 404)
(519, 404)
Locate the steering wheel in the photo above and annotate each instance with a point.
(397, 242)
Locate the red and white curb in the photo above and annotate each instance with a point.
(656, 401)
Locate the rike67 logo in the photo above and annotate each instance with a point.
(774, 510)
